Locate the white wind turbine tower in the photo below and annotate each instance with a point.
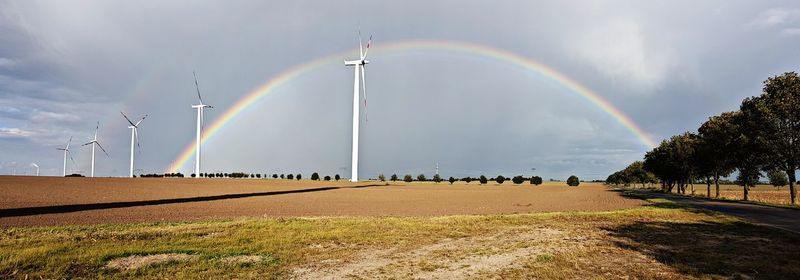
(66, 152)
(359, 71)
(199, 108)
(95, 143)
(134, 136)
(37, 168)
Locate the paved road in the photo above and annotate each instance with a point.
(788, 219)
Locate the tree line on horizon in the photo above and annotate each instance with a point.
(760, 139)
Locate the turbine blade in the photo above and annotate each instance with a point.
(369, 42)
(140, 121)
(364, 88)
(96, 128)
(101, 148)
(360, 48)
(70, 157)
(127, 119)
(197, 87)
(136, 132)
(70, 142)
(88, 143)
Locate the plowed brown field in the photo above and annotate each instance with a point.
(29, 201)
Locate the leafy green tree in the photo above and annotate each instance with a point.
(437, 178)
(274, 176)
(467, 179)
(407, 178)
(337, 177)
(421, 178)
(718, 138)
(381, 178)
(290, 177)
(777, 178)
(393, 178)
(283, 176)
(315, 176)
(451, 180)
(327, 178)
(483, 180)
(500, 179)
(193, 175)
(750, 149)
(536, 180)
(573, 181)
(517, 180)
(299, 176)
(777, 115)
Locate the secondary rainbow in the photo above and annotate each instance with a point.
(435, 45)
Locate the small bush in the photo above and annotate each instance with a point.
(500, 179)
(315, 176)
(573, 181)
(483, 180)
(394, 177)
(437, 178)
(421, 178)
(381, 178)
(517, 180)
(327, 178)
(408, 178)
(451, 180)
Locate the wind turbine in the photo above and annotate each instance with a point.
(199, 108)
(95, 143)
(359, 71)
(66, 152)
(134, 136)
(37, 168)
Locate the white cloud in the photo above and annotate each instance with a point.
(773, 17)
(619, 51)
(791, 32)
(7, 63)
(53, 116)
(14, 133)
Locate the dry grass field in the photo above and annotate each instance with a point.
(436, 231)
(67, 201)
(760, 193)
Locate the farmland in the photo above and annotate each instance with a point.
(157, 228)
(64, 201)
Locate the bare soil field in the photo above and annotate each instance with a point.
(33, 201)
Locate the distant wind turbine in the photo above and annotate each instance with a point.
(359, 73)
(95, 143)
(37, 168)
(66, 152)
(198, 141)
(134, 137)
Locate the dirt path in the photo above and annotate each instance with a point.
(783, 218)
(30, 201)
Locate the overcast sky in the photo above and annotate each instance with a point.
(668, 65)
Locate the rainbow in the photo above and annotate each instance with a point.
(437, 45)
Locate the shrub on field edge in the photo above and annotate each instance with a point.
(315, 176)
(500, 179)
(483, 180)
(573, 181)
(408, 178)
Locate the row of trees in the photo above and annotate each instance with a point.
(534, 180)
(761, 138)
